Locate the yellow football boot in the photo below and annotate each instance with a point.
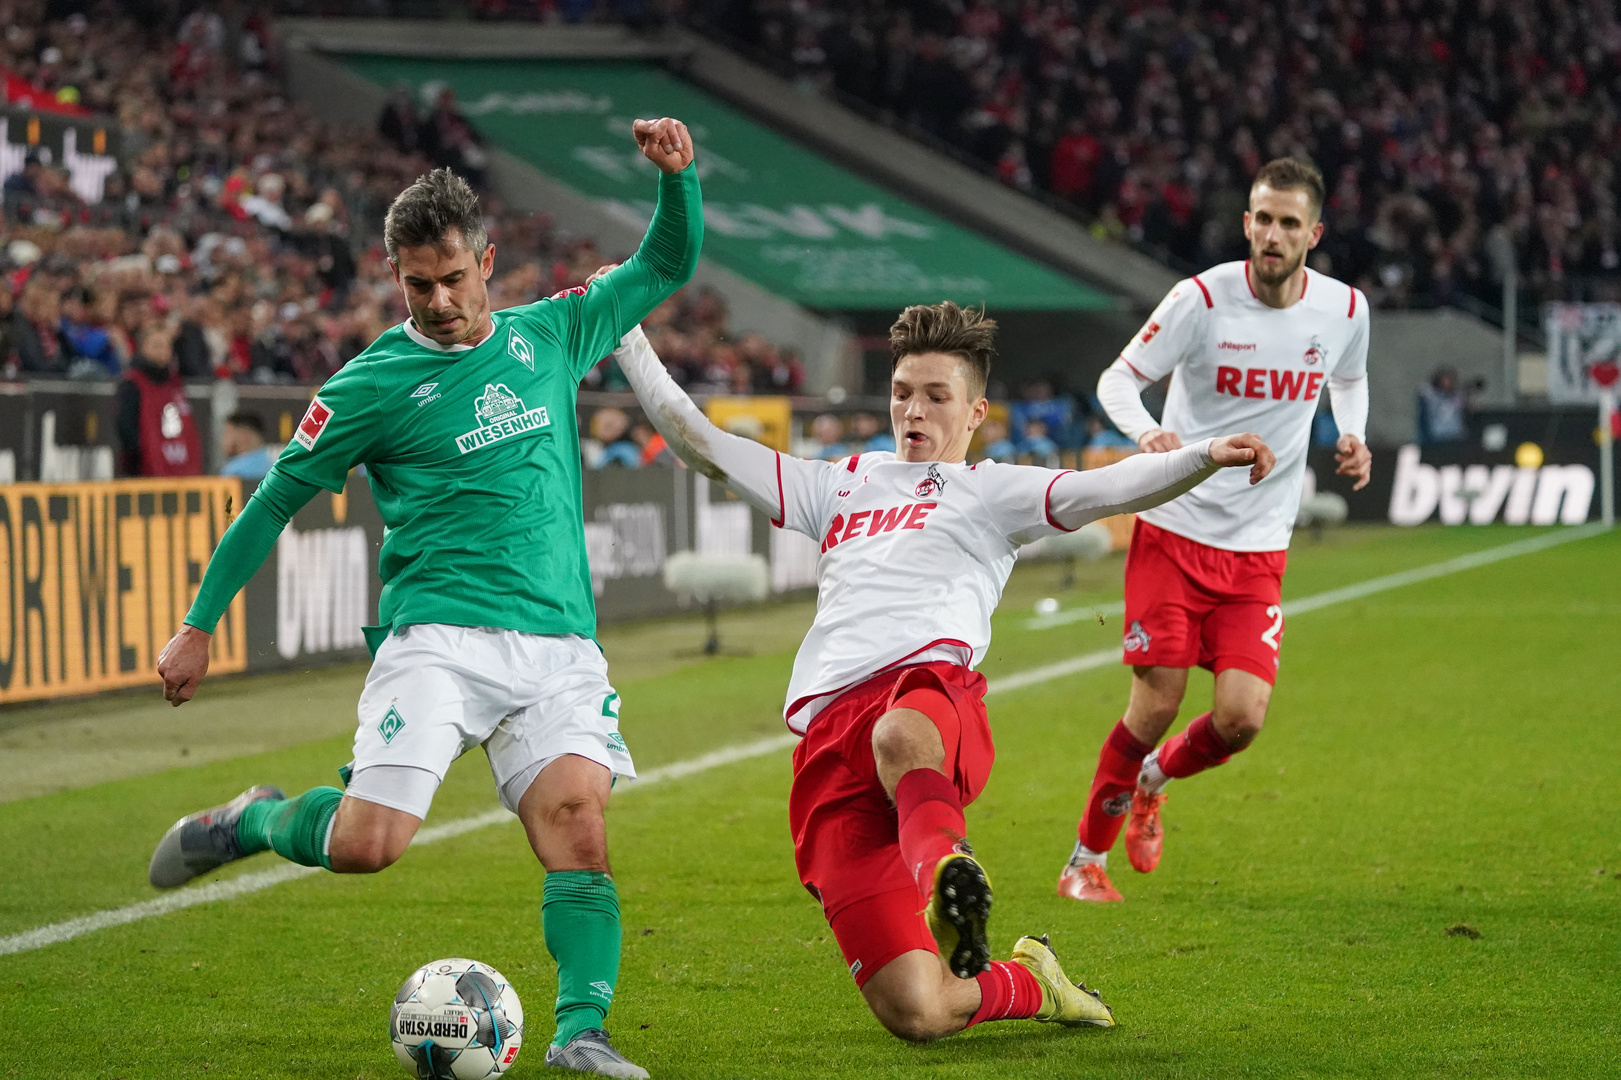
(1062, 1001)
(958, 908)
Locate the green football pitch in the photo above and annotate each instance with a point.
(1415, 871)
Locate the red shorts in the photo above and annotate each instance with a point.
(1189, 603)
(846, 836)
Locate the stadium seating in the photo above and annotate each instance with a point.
(251, 227)
(1451, 135)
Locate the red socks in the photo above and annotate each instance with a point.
(931, 823)
(1006, 992)
(931, 826)
(1118, 764)
(1198, 748)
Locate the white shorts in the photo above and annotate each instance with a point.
(435, 691)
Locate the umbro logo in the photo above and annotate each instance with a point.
(424, 390)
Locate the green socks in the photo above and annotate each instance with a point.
(579, 913)
(580, 918)
(295, 828)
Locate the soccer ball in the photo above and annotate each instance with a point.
(456, 1020)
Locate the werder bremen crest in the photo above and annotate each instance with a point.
(519, 346)
(501, 415)
(391, 725)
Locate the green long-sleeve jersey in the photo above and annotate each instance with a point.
(472, 454)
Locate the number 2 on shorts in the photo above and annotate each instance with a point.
(1270, 634)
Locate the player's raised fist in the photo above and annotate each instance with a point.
(183, 663)
(665, 142)
(1244, 449)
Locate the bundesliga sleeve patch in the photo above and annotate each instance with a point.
(314, 422)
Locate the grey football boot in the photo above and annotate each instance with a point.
(590, 1052)
(203, 841)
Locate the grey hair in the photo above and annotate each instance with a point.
(429, 209)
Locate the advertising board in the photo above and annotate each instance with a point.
(98, 576)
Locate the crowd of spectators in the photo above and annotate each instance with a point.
(239, 233)
(228, 225)
(1453, 134)
(1039, 426)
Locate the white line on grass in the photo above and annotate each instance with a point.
(56, 933)
(1075, 614)
(1351, 592)
(1441, 569)
(1077, 664)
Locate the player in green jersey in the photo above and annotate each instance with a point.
(465, 421)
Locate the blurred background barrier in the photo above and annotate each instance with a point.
(96, 576)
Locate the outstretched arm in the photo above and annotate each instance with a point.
(241, 551)
(1145, 480)
(754, 471)
(665, 261)
(340, 429)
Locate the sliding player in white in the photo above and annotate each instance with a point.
(1253, 344)
(916, 547)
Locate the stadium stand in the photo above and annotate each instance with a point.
(249, 227)
(1452, 134)
(1456, 136)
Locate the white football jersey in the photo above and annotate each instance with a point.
(914, 558)
(1239, 365)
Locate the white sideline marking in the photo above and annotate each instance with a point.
(1075, 614)
(1441, 569)
(1078, 664)
(56, 933)
(1073, 666)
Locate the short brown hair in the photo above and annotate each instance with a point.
(429, 209)
(946, 328)
(1287, 174)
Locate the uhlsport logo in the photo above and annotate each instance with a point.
(1137, 639)
(391, 725)
(501, 415)
(519, 346)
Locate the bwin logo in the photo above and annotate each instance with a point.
(519, 347)
(1548, 495)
